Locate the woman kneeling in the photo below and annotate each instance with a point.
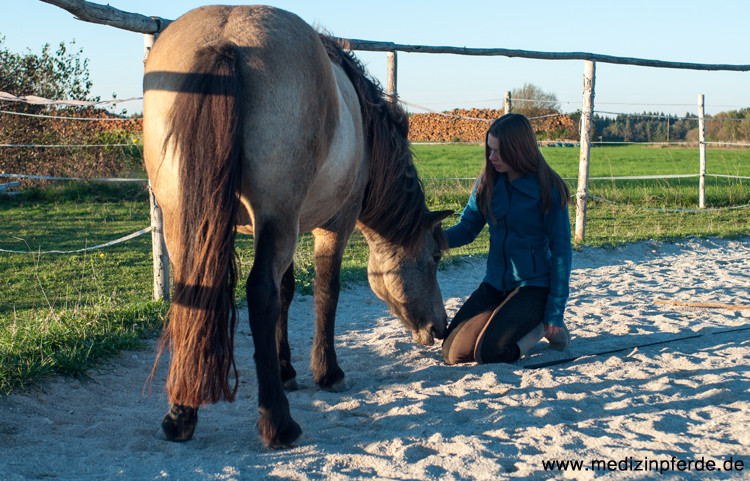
(523, 295)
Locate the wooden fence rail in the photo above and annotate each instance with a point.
(106, 15)
(373, 46)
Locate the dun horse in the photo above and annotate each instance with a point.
(255, 123)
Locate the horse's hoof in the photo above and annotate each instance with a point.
(339, 386)
(179, 423)
(282, 437)
(288, 376)
(334, 381)
(291, 384)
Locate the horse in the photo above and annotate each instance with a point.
(255, 123)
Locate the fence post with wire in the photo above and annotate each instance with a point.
(585, 150)
(702, 149)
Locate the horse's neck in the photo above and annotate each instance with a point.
(375, 241)
(393, 206)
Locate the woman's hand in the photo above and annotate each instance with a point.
(550, 330)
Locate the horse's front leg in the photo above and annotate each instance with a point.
(274, 247)
(329, 251)
(288, 374)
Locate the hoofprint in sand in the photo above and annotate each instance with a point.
(677, 406)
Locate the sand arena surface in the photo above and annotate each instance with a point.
(408, 416)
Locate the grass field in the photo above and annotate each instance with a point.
(63, 313)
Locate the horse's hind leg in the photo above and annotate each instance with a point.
(288, 374)
(274, 248)
(179, 423)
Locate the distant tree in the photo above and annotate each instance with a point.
(744, 128)
(653, 127)
(681, 128)
(532, 101)
(713, 126)
(731, 126)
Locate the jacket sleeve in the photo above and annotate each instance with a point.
(469, 226)
(557, 225)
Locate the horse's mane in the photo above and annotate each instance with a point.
(394, 202)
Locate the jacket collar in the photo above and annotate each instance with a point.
(528, 184)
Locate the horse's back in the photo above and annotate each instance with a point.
(290, 103)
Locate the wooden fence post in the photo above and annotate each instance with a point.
(702, 150)
(508, 106)
(159, 249)
(158, 246)
(392, 89)
(583, 163)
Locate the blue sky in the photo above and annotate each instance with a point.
(684, 30)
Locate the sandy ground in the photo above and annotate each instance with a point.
(407, 416)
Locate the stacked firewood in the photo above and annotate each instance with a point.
(470, 125)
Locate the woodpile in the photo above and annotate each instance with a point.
(454, 126)
(451, 127)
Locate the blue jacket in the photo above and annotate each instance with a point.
(527, 246)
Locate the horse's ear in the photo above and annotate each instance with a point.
(436, 217)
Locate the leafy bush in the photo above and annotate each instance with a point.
(61, 75)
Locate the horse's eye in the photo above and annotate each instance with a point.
(436, 258)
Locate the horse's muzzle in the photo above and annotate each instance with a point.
(427, 335)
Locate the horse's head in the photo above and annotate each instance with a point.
(407, 281)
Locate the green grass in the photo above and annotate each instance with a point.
(448, 160)
(67, 341)
(63, 313)
(609, 224)
(639, 160)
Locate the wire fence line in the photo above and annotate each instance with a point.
(563, 114)
(447, 114)
(729, 176)
(80, 179)
(657, 209)
(59, 146)
(35, 100)
(735, 144)
(31, 99)
(60, 117)
(41, 101)
(665, 116)
(85, 249)
(136, 179)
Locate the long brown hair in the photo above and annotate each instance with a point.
(518, 148)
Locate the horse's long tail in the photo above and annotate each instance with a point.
(205, 130)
